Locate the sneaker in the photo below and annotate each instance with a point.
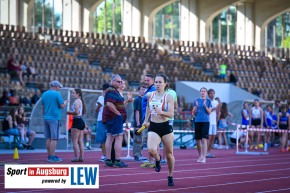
(53, 158)
(170, 181)
(88, 148)
(163, 161)
(140, 158)
(219, 147)
(147, 165)
(120, 164)
(103, 159)
(210, 155)
(30, 147)
(226, 147)
(109, 163)
(158, 165)
(20, 146)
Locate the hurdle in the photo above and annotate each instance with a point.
(128, 129)
(246, 152)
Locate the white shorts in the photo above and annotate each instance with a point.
(212, 129)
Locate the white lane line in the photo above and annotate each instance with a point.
(278, 190)
(215, 185)
(196, 170)
(195, 177)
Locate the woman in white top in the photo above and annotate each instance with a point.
(78, 125)
(160, 108)
(256, 121)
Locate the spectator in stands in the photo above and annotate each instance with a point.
(21, 124)
(35, 96)
(213, 116)
(14, 69)
(52, 104)
(223, 71)
(256, 120)
(138, 139)
(88, 137)
(149, 83)
(201, 110)
(4, 100)
(283, 123)
(10, 127)
(23, 67)
(160, 107)
(114, 115)
(25, 100)
(78, 125)
(13, 98)
(31, 71)
(223, 125)
(101, 127)
(233, 78)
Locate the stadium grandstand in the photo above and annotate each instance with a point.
(82, 43)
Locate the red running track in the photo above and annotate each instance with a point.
(227, 173)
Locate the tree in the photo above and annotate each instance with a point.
(48, 10)
(104, 17)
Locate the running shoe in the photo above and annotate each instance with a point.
(53, 158)
(163, 161)
(103, 159)
(158, 165)
(140, 158)
(109, 163)
(147, 165)
(88, 148)
(210, 155)
(120, 164)
(170, 181)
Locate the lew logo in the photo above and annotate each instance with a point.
(55, 176)
(84, 175)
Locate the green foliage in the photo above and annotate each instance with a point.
(47, 16)
(286, 42)
(169, 16)
(107, 13)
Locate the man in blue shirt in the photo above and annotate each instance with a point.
(149, 83)
(52, 104)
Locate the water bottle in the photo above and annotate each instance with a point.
(265, 147)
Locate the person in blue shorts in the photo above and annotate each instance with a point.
(101, 127)
(52, 103)
(114, 116)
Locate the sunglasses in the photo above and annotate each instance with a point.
(118, 81)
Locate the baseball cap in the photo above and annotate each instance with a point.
(105, 86)
(56, 83)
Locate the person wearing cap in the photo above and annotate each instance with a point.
(52, 103)
(101, 128)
